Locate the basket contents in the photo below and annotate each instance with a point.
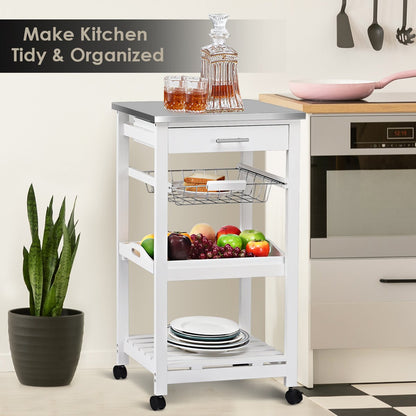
(203, 243)
(197, 182)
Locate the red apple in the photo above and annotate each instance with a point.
(227, 229)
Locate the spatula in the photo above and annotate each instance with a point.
(344, 35)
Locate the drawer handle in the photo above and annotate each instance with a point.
(398, 280)
(233, 140)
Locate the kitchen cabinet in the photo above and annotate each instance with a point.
(260, 127)
(356, 242)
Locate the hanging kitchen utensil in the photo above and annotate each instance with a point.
(375, 31)
(342, 90)
(404, 35)
(344, 35)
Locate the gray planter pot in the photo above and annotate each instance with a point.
(45, 350)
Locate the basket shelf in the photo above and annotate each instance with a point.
(242, 184)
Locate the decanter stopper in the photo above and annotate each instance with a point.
(218, 22)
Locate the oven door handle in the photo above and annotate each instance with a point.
(397, 280)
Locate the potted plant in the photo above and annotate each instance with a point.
(45, 338)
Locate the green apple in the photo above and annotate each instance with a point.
(251, 235)
(232, 239)
(149, 245)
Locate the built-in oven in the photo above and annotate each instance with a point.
(363, 186)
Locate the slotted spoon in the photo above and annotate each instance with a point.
(404, 35)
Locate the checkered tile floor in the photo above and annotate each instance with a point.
(383, 399)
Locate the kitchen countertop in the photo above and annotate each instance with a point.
(375, 103)
(154, 112)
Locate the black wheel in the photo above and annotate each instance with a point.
(157, 402)
(293, 396)
(119, 371)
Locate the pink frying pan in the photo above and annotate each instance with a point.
(342, 90)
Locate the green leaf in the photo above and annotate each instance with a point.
(27, 279)
(62, 275)
(50, 302)
(49, 251)
(35, 269)
(57, 231)
(48, 224)
(53, 246)
(74, 250)
(32, 213)
(71, 226)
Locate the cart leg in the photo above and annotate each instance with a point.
(122, 211)
(292, 257)
(246, 217)
(160, 271)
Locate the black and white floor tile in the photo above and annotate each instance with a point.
(381, 399)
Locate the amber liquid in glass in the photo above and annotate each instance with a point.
(222, 91)
(174, 99)
(196, 101)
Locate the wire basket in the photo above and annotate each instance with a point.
(243, 184)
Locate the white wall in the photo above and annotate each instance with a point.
(57, 131)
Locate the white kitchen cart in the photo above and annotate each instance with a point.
(260, 127)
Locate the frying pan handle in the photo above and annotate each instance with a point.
(398, 75)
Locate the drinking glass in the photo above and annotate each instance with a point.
(174, 93)
(196, 92)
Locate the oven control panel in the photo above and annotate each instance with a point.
(366, 135)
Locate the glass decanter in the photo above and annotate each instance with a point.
(219, 66)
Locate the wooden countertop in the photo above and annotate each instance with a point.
(381, 103)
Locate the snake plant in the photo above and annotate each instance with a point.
(47, 264)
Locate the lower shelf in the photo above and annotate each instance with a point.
(256, 360)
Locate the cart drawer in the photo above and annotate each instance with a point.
(228, 139)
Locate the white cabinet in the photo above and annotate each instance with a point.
(261, 127)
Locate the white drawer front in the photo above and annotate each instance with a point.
(351, 308)
(363, 325)
(358, 280)
(228, 139)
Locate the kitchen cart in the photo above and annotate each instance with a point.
(260, 127)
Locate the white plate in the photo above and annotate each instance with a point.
(205, 325)
(208, 338)
(177, 337)
(210, 349)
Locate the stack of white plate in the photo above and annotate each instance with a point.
(206, 334)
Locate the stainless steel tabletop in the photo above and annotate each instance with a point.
(154, 112)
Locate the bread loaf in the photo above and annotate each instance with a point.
(198, 180)
(201, 178)
(194, 187)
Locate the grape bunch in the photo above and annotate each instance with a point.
(203, 248)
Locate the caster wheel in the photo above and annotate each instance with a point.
(293, 396)
(119, 371)
(157, 402)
